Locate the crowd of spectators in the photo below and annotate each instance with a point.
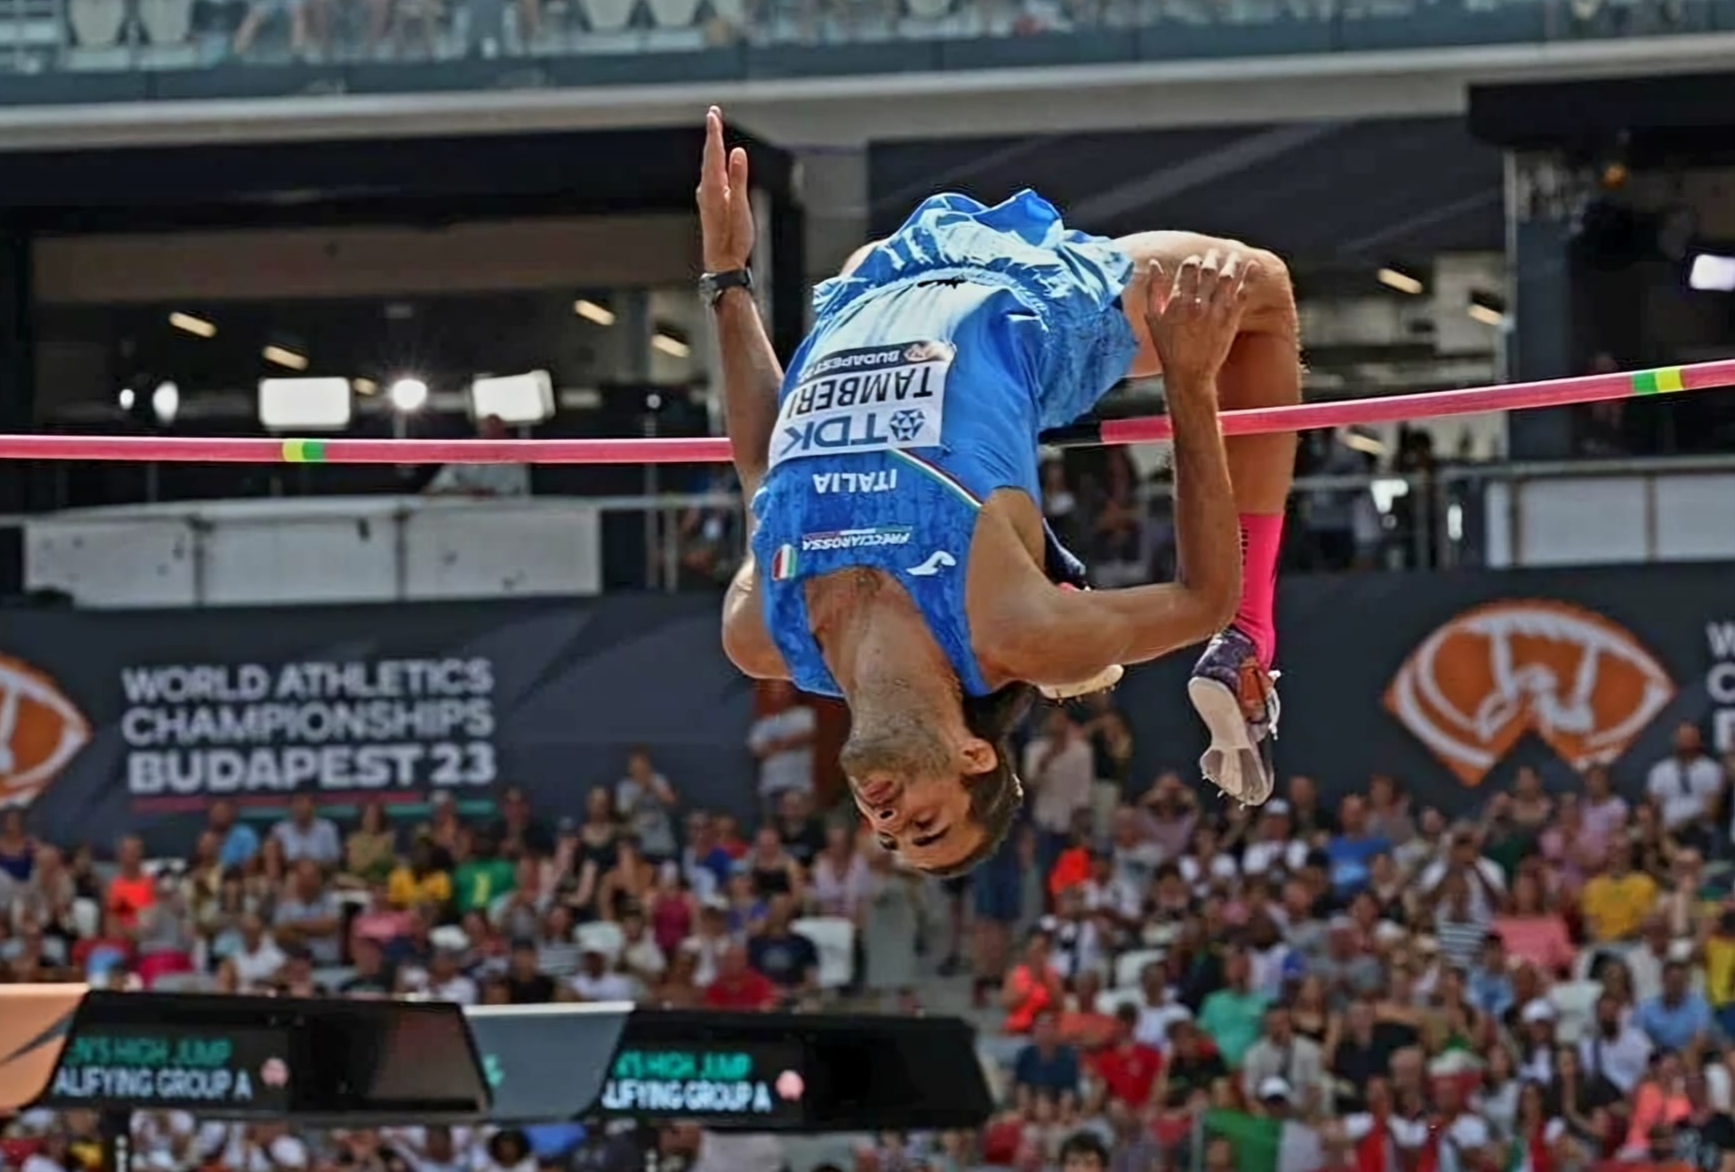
(328, 31)
(635, 899)
(1166, 982)
(1348, 513)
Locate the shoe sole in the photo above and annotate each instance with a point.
(1219, 708)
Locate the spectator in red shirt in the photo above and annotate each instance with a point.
(103, 956)
(729, 837)
(738, 986)
(131, 890)
(1032, 986)
(1128, 1068)
(1073, 867)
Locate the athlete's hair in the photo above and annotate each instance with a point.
(994, 799)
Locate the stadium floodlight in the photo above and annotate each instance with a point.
(408, 395)
(1487, 309)
(166, 403)
(1712, 273)
(518, 400)
(285, 357)
(593, 312)
(189, 323)
(669, 344)
(1402, 282)
(305, 404)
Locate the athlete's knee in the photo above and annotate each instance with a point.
(1270, 293)
(1272, 273)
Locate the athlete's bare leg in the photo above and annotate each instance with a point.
(1231, 685)
(1263, 370)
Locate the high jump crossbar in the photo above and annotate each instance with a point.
(711, 450)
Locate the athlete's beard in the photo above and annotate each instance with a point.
(895, 733)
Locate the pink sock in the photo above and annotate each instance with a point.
(1261, 542)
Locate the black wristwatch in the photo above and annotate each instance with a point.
(712, 286)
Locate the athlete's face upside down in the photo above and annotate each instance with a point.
(937, 788)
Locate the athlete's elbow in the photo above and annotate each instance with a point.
(1212, 604)
(751, 659)
(1211, 613)
(750, 650)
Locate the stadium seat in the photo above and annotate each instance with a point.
(1129, 965)
(96, 24)
(167, 22)
(675, 26)
(1110, 1001)
(834, 938)
(34, 24)
(601, 936)
(674, 14)
(607, 16)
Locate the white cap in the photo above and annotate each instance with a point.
(1454, 1063)
(1537, 1010)
(1275, 1087)
(1470, 1131)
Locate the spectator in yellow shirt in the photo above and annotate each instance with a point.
(420, 881)
(1718, 950)
(1617, 902)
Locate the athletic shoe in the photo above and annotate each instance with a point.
(1237, 699)
(1102, 681)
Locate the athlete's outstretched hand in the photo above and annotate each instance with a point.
(1194, 313)
(725, 205)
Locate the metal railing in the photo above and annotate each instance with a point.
(563, 42)
(400, 549)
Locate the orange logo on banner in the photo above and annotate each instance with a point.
(1478, 684)
(40, 732)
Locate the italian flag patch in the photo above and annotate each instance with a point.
(783, 563)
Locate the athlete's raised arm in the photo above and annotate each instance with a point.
(751, 372)
(1193, 315)
(751, 376)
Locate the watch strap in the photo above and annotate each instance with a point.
(712, 286)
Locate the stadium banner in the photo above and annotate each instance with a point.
(1451, 681)
(114, 721)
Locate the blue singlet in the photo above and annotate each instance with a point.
(922, 389)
